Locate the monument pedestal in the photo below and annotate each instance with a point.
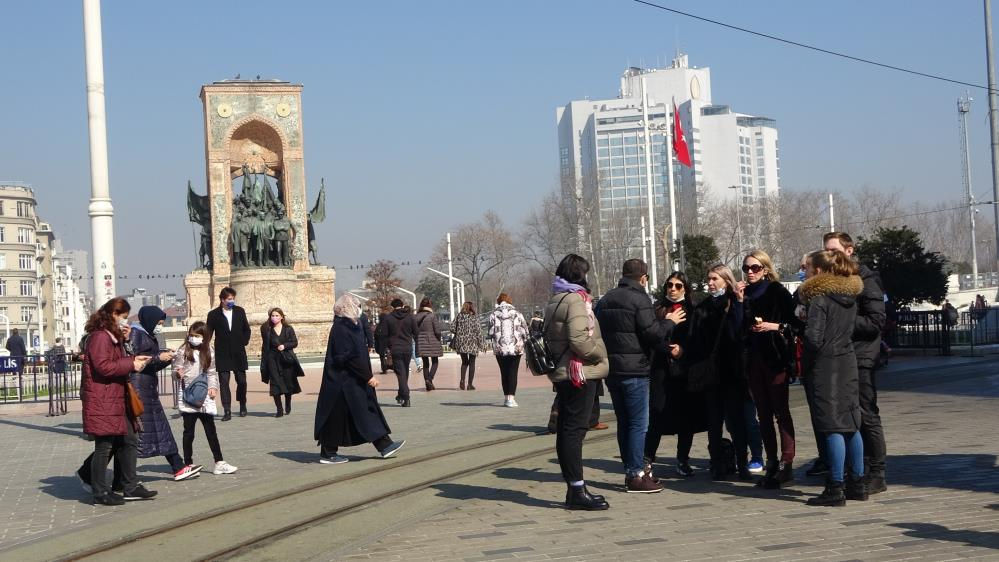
(306, 297)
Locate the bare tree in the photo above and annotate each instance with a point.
(480, 251)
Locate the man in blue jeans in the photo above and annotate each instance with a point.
(631, 333)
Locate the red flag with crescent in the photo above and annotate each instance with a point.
(679, 141)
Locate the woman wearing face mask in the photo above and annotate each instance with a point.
(279, 365)
(105, 413)
(715, 334)
(673, 410)
(768, 310)
(192, 359)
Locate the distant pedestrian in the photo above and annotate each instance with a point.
(573, 336)
(508, 331)
(228, 326)
(468, 342)
(279, 366)
(15, 345)
(347, 412)
(428, 341)
(57, 358)
(399, 338)
(381, 342)
(193, 358)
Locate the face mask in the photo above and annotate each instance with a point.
(230, 304)
(718, 293)
(671, 299)
(195, 340)
(275, 320)
(157, 330)
(123, 323)
(801, 275)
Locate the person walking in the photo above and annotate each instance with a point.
(347, 412)
(673, 409)
(830, 371)
(631, 332)
(768, 311)
(228, 326)
(193, 358)
(467, 342)
(399, 328)
(428, 341)
(716, 336)
(871, 320)
(279, 366)
(381, 343)
(107, 415)
(573, 336)
(508, 332)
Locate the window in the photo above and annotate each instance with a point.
(26, 261)
(23, 209)
(3, 261)
(759, 152)
(2, 237)
(1, 208)
(25, 314)
(602, 142)
(24, 236)
(27, 288)
(3, 292)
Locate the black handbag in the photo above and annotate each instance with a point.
(703, 374)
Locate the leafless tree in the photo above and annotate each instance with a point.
(481, 252)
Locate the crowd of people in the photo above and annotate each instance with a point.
(672, 367)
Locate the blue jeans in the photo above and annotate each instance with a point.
(843, 447)
(753, 435)
(631, 406)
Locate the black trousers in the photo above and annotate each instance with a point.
(401, 367)
(725, 406)
(240, 389)
(125, 449)
(208, 422)
(594, 414)
(684, 441)
(871, 430)
(468, 365)
(508, 365)
(383, 361)
(429, 368)
(575, 406)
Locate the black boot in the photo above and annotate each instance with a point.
(777, 476)
(287, 404)
(875, 482)
(832, 496)
(856, 489)
(228, 415)
(470, 385)
(242, 409)
(461, 383)
(578, 497)
(277, 404)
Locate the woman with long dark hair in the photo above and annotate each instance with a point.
(467, 342)
(428, 341)
(508, 331)
(279, 365)
(673, 409)
(106, 412)
(573, 336)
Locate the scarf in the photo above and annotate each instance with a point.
(575, 368)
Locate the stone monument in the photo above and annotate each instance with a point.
(255, 239)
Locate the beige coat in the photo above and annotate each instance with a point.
(565, 329)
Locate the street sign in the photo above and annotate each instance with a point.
(35, 341)
(9, 364)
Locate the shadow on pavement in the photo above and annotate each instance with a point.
(297, 456)
(966, 471)
(73, 432)
(529, 475)
(467, 492)
(65, 488)
(536, 429)
(493, 404)
(940, 533)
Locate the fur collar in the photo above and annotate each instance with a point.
(829, 284)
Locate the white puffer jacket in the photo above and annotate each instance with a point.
(507, 330)
(189, 370)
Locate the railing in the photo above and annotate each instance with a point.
(976, 327)
(57, 379)
(924, 329)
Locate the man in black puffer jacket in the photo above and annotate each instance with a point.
(399, 328)
(631, 333)
(867, 346)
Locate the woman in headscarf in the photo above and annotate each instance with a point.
(347, 413)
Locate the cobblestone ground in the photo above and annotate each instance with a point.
(941, 504)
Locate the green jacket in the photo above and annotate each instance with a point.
(566, 334)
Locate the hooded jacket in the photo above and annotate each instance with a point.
(399, 333)
(507, 330)
(829, 362)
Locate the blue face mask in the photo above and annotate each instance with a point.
(230, 304)
(801, 275)
(718, 293)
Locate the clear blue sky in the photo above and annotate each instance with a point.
(422, 115)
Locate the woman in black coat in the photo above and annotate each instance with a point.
(829, 366)
(673, 409)
(347, 412)
(715, 333)
(279, 365)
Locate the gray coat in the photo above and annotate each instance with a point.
(427, 330)
(566, 333)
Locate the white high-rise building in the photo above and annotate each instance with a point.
(602, 157)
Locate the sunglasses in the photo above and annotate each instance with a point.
(674, 285)
(755, 268)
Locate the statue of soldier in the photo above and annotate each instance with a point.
(241, 230)
(282, 236)
(205, 250)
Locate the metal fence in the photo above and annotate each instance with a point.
(924, 329)
(977, 327)
(56, 379)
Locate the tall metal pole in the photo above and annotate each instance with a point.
(450, 277)
(832, 214)
(738, 218)
(645, 242)
(100, 209)
(993, 120)
(38, 300)
(963, 107)
(653, 277)
(675, 242)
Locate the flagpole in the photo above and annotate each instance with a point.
(650, 185)
(672, 189)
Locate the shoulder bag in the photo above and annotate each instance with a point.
(538, 354)
(196, 392)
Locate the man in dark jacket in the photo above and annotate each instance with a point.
(232, 334)
(867, 346)
(631, 332)
(381, 343)
(399, 331)
(15, 345)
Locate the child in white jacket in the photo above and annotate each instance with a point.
(194, 357)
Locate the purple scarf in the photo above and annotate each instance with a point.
(575, 368)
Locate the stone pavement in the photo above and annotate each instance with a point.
(940, 417)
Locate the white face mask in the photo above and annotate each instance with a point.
(123, 323)
(158, 330)
(195, 340)
(718, 292)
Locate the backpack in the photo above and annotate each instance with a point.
(196, 392)
(538, 355)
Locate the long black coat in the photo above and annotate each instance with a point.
(230, 345)
(775, 305)
(630, 329)
(828, 360)
(347, 371)
(870, 319)
(672, 408)
(280, 368)
(156, 437)
(710, 317)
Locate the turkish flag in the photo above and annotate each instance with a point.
(679, 142)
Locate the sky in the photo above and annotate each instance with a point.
(422, 115)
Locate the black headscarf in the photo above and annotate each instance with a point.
(149, 317)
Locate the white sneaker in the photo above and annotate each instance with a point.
(513, 403)
(223, 467)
